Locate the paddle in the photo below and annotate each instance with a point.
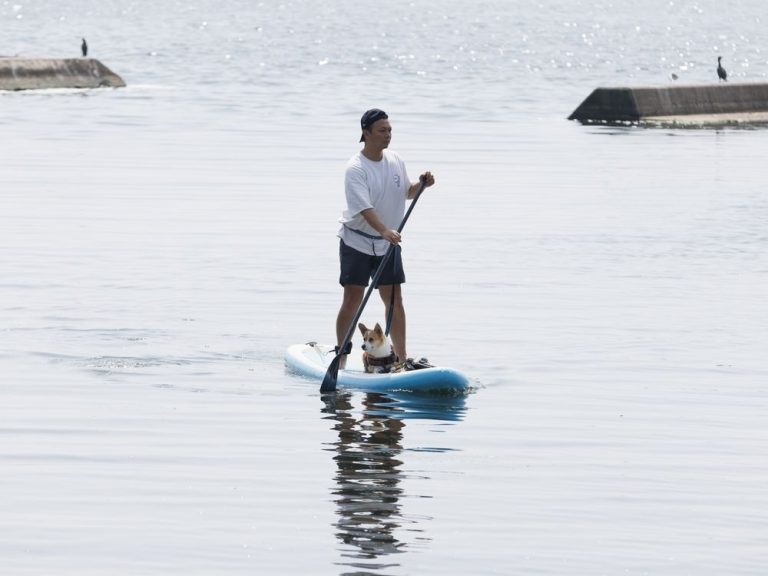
(329, 381)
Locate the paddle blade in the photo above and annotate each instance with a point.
(329, 381)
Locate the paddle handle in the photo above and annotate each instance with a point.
(410, 208)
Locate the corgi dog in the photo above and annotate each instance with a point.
(378, 355)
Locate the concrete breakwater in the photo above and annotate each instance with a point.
(707, 104)
(41, 73)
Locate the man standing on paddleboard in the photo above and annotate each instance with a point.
(376, 185)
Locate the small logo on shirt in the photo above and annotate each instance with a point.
(397, 180)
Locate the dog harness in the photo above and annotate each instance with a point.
(386, 361)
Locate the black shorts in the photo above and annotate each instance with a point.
(358, 268)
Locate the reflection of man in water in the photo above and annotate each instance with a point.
(368, 478)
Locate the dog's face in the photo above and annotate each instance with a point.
(374, 341)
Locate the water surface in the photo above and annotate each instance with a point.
(161, 246)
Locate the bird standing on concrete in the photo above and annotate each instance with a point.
(721, 73)
(84, 48)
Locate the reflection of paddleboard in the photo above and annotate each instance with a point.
(312, 360)
(408, 405)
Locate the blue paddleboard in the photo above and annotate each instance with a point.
(312, 360)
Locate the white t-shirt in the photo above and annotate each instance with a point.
(381, 185)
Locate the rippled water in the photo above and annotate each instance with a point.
(161, 246)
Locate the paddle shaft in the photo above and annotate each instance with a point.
(329, 382)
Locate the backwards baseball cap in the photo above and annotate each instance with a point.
(369, 118)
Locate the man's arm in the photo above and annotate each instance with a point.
(375, 222)
(427, 177)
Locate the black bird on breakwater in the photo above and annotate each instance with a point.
(84, 48)
(721, 73)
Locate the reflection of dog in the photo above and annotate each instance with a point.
(378, 355)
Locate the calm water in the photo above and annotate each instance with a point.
(161, 246)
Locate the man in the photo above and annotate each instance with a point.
(376, 187)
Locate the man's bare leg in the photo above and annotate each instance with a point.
(397, 332)
(353, 296)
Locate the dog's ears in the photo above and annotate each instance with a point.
(362, 327)
(377, 329)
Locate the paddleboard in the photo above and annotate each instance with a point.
(311, 361)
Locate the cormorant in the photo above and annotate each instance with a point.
(721, 73)
(84, 48)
